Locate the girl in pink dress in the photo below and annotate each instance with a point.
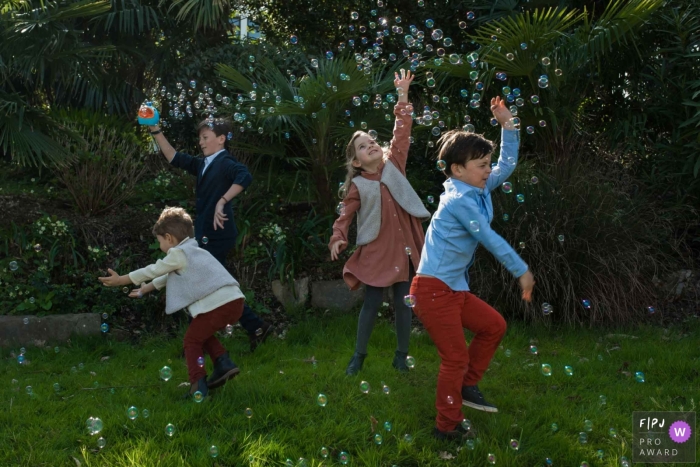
(389, 232)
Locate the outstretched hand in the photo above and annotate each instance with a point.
(114, 279)
(402, 82)
(527, 283)
(502, 113)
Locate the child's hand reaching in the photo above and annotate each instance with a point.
(335, 249)
(502, 113)
(527, 283)
(114, 279)
(402, 83)
(142, 291)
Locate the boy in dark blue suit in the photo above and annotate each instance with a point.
(220, 178)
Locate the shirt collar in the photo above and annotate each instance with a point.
(452, 184)
(210, 159)
(184, 240)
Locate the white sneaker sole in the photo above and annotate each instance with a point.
(483, 408)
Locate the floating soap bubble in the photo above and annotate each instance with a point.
(584, 464)
(385, 389)
(101, 442)
(454, 58)
(651, 310)
(441, 165)
(520, 198)
(407, 438)
(469, 128)
(20, 359)
(547, 309)
(602, 400)
(170, 429)
(344, 458)
(248, 412)
(450, 400)
(507, 187)
(612, 432)
(81, 366)
(545, 61)
(29, 390)
(534, 180)
(294, 40)
(229, 329)
(132, 412)
(542, 123)
(378, 439)
(600, 454)
(510, 56)
(409, 301)
(322, 400)
(543, 83)
(94, 425)
(514, 444)
(104, 327)
(314, 63)
(586, 304)
(474, 226)
(639, 377)
(530, 130)
(430, 199)
(198, 396)
(588, 425)
(491, 458)
(507, 353)
(560, 238)
(56, 349)
(410, 362)
(329, 55)
(583, 437)
(340, 209)
(166, 373)
(558, 72)
(546, 369)
(568, 370)
(521, 245)
(466, 424)
(200, 362)
(364, 387)
(535, 99)
(145, 413)
(462, 25)
(436, 34)
(554, 427)
(533, 350)
(56, 387)
(125, 290)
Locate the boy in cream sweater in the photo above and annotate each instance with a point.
(213, 303)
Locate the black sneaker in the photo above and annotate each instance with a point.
(458, 433)
(261, 334)
(400, 361)
(224, 369)
(472, 397)
(355, 364)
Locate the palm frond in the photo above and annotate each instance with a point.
(201, 14)
(128, 17)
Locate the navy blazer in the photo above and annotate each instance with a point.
(222, 172)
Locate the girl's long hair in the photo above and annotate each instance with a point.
(353, 171)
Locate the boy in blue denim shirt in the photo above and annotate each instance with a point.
(443, 302)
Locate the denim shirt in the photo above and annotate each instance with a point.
(463, 220)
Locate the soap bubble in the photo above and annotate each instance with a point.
(583, 437)
(101, 442)
(514, 444)
(491, 458)
(314, 62)
(145, 413)
(568, 370)
(56, 349)
(385, 389)
(430, 199)
(408, 438)
(588, 425)
(198, 396)
(364, 387)
(200, 362)
(125, 290)
(602, 400)
(132, 412)
(545, 61)
(294, 40)
(493, 122)
(37, 247)
(170, 429)
(29, 390)
(344, 458)
(547, 309)
(410, 301)
(523, 45)
(520, 198)
(248, 412)
(429, 23)
(329, 55)
(474, 226)
(546, 369)
(651, 310)
(436, 34)
(639, 377)
(94, 425)
(229, 329)
(340, 209)
(530, 130)
(387, 426)
(105, 316)
(558, 72)
(507, 353)
(322, 400)
(612, 432)
(533, 350)
(104, 327)
(20, 359)
(543, 83)
(166, 373)
(510, 56)
(555, 427)
(586, 304)
(410, 362)
(535, 99)
(507, 187)
(378, 439)
(56, 387)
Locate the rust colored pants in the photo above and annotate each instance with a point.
(445, 313)
(199, 338)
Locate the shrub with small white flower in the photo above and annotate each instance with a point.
(273, 233)
(50, 226)
(96, 254)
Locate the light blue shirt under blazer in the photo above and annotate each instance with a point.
(452, 237)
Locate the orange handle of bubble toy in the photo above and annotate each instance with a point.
(146, 112)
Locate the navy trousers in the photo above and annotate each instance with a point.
(218, 249)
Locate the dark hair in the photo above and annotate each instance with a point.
(176, 222)
(219, 126)
(459, 147)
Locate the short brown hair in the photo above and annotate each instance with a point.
(176, 222)
(220, 126)
(459, 147)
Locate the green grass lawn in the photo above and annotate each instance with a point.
(280, 384)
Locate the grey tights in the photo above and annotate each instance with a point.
(368, 315)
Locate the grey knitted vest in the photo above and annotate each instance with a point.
(369, 216)
(202, 276)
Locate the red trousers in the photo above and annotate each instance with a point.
(199, 338)
(444, 313)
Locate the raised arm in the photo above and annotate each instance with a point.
(163, 144)
(507, 159)
(174, 260)
(400, 143)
